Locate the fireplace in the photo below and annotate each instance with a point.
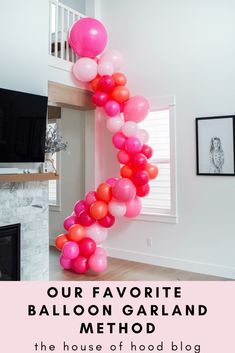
(10, 253)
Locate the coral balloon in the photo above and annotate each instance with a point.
(105, 68)
(80, 264)
(138, 161)
(117, 209)
(120, 94)
(88, 37)
(115, 124)
(119, 79)
(108, 221)
(76, 232)
(123, 157)
(91, 198)
(136, 109)
(65, 263)
(140, 177)
(133, 145)
(147, 151)
(85, 219)
(106, 84)
(60, 241)
(85, 69)
(104, 192)
(98, 263)
(70, 221)
(119, 140)
(98, 209)
(94, 83)
(112, 108)
(87, 247)
(152, 171)
(79, 207)
(142, 190)
(97, 233)
(126, 171)
(130, 128)
(100, 98)
(124, 190)
(114, 57)
(133, 208)
(70, 250)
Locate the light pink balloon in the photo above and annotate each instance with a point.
(65, 262)
(100, 251)
(88, 37)
(123, 157)
(116, 208)
(98, 263)
(105, 68)
(114, 57)
(133, 208)
(124, 190)
(70, 250)
(143, 135)
(97, 233)
(91, 197)
(85, 69)
(129, 129)
(136, 109)
(114, 124)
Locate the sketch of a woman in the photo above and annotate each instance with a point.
(216, 156)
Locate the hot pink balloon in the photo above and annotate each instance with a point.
(142, 190)
(100, 98)
(114, 124)
(133, 145)
(147, 151)
(85, 69)
(117, 208)
(111, 181)
(85, 219)
(65, 263)
(88, 37)
(138, 161)
(79, 207)
(124, 190)
(140, 178)
(87, 247)
(112, 108)
(114, 57)
(97, 263)
(80, 264)
(91, 198)
(106, 84)
(133, 208)
(108, 221)
(119, 140)
(70, 221)
(70, 250)
(123, 157)
(136, 109)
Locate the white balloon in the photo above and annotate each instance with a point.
(85, 69)
(143, 135)
(113, 56)
(130, 128)
(114, 124)
(105, 68)
(117, 209)
(97, 233)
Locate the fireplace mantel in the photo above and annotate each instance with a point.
(18, 178)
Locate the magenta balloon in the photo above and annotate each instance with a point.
(65, 263)
(112, 108)
(87, 247)
(70, 221)
(147, 151)
(80, 264)
(100, 98)
(91, 198)
(140, 178)
(85, 219)
(70, 250)
(98, 263)
(119, 140)
(106, 84)
(133, 145)
(111, 181)
(123, 157)
(88, 37)
(136, 109)
(124, 190)
(108, 221)
(79, 207)
(139, 161)
(133, 208)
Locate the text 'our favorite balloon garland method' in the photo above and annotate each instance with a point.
(116, 197)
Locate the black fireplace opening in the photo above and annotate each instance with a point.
(10, 253)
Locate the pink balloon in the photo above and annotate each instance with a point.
(65, 262)
(123, 157)
(88, 37)
(91, 198)
(85, 219)
(108, 221)
(116, 208)
(100, 251)
(114, 124)
(133, 208)
(79, 207)
(133, 145)
(80, 264)
(119, 140)
(130, 128)
(111, 181)
(70, 250)
(105, 68)
(98, 263)
(124, 190)
(136, 109)
(100, 98)
(70, 221)
(140, 178)
(87, 247)
(85, 69)
(147, 151)
(114, 57)
(112, 108)
(97, 233)
(106, 84)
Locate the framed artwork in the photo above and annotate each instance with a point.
(215, 145)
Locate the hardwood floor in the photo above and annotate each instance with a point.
(123, 270)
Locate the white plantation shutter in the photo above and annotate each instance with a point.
(158, 200)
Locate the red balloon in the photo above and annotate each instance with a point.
(87, 247)
(147, 151)
(142, 190)
(119, 140)
(126, 171)
(120, 94)
(94, 83)
(108, 221)
(106, 84)
(85, 219)
(80, 264)
(140, 178)
(138, 161)
(119, 79)
(100, 98)
(152, 170)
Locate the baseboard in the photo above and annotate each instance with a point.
(169, 262)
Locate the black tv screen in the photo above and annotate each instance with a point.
(23, 119)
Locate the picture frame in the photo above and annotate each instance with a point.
(215, 145)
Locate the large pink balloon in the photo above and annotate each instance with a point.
(97, 262)
(133, 208)
(88, 37)
(136, 109)
(97, 233)
(85, 69)
(124, 190)
(114, 57)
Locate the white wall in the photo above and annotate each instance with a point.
(72, 172)
(182, 48)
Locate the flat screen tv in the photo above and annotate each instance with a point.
(23, 119)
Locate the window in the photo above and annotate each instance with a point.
(160, 203)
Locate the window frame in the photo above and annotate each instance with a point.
(157, 104)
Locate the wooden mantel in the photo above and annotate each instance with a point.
(69, 97)
(21, 178)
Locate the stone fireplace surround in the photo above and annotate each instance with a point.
(27, 203)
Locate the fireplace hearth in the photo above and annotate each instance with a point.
(10, 253)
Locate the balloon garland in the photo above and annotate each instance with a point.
(86, 227)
